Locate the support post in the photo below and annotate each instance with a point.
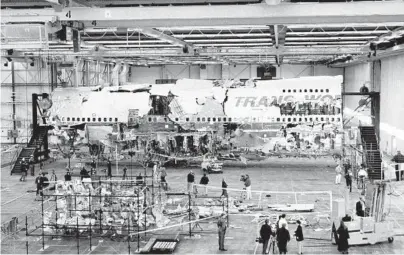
(13, 99)
(128, 234)
(138, 219)
(43, 225)
(189, 214)
(77, 236)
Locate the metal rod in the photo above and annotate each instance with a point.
(77, 236)
(91, 236)
(189, 214)
(128, 234)
(138, 214)
(43, 233)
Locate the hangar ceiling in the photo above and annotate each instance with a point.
(155, 32)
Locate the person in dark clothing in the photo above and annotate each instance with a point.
(398, 158)
(84, 173)
(343, 236)
(204, 181)
(163, 181)
(283, 237)
(44, 182)
(24, 170)
(38, 183)
(360, 207)
(109, 166)
(224, 188)
(265, 233)
(124, 173)
(190, 181)
(348, 178)
(299, 237)
(68, 177)
(222, 227)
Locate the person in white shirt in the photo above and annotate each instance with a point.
(338, 171)
(362, 174)
(282, 221)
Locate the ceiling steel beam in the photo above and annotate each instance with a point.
(255, 14)
(166, 38)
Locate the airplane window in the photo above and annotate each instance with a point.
(68, 119)
(321, 90)
(229, 119)
(105, 119)
(283, 120)
(110, 119)
(176, 119)
(311, 119)
(219, 119)
(154, 119)
(254, 119)
(53, 119)
(316, 90)
(300, 119)
(311, 90)
(186, 119)
(213, 119)
(224, 119)
(165, 119)
(338, 119)
(322, 119)
(93, 119)
(316, 119)
(332, 119)
(198, 119)
(289, 119)
(294, 91)
(278, 119)
(327, 119)
(203, 119)
(284, 91)
(73, 119)
(83, 119)
(289, 90)
(149, 119)
(305, 90)
(99, 119)
(305, 119)
(294, 119)
(116, 119)
(300, 90)
(327, 90)
(209, 119)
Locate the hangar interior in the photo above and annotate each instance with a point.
(172, 86)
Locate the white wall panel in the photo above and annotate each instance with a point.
(392, 104)
(145, 74)
(354, 78)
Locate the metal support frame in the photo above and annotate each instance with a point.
(255, 14)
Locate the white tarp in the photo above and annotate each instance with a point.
(161, 89)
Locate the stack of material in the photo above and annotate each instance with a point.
(164, 246)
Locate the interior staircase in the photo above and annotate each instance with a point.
(372, 152)
(35, 144)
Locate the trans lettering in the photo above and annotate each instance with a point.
(265, 101)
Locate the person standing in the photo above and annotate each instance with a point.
(163, 175)
(31, 163)
(139, 179)
(338, 172)
(24, 169)
(124, 173)
(224, 188)
(360, 207)
(348, 178)
(68, 176)
(282, 221)
(343, 236)
(398, 159)
(109, 167)
(283, 237)
(222, 227)
(38, 182)
(191, 180)
(247, 184)
(265, 233)
(204, 181)
(54, 179)
(299, 237)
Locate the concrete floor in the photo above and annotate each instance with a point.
(273, 175)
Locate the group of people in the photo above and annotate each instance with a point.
(28, 166)
(345, 169)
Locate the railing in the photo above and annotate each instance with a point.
(15, 157)
(9, 157)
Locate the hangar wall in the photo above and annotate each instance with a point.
(150, 74)
(386, 76)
